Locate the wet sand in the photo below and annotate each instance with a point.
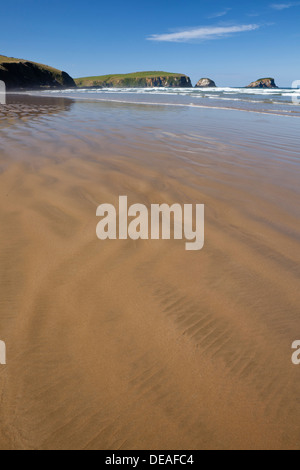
(140, 344)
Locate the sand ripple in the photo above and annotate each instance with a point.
(142, 345)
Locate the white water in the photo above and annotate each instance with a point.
(284, 101)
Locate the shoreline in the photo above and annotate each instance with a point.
(65, 95)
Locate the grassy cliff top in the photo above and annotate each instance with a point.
(131, 75)
(10, 60)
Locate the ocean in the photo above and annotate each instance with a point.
(280, 101)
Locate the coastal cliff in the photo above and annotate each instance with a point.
(23, 74)
(206, 83)
(263, 83)
(136, 80)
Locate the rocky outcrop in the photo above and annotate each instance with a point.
(21, 74)
(176, 82)
(263, 83)
(206, 83)
(136, 80)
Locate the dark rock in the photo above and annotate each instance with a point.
(263, 83)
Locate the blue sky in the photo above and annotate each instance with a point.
(232, 43)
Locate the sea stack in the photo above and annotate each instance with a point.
(263, 83)
(206, 83)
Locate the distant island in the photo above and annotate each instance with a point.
(136, 80)
(263, 83)
(205, 83)
(19, 74)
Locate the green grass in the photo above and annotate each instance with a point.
(137, 79)
(152, 74)
(3, 58)
(261, 79)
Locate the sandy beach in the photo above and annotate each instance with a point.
(141, 344)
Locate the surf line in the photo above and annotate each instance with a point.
(163, 218)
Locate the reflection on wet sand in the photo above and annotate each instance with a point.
(26, 107)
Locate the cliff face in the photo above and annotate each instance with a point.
(206, 83)
(22, 74)
(263, 83)
(136, 81)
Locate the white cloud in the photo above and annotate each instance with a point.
(284, 6)
(220, 13)
(204, 33)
